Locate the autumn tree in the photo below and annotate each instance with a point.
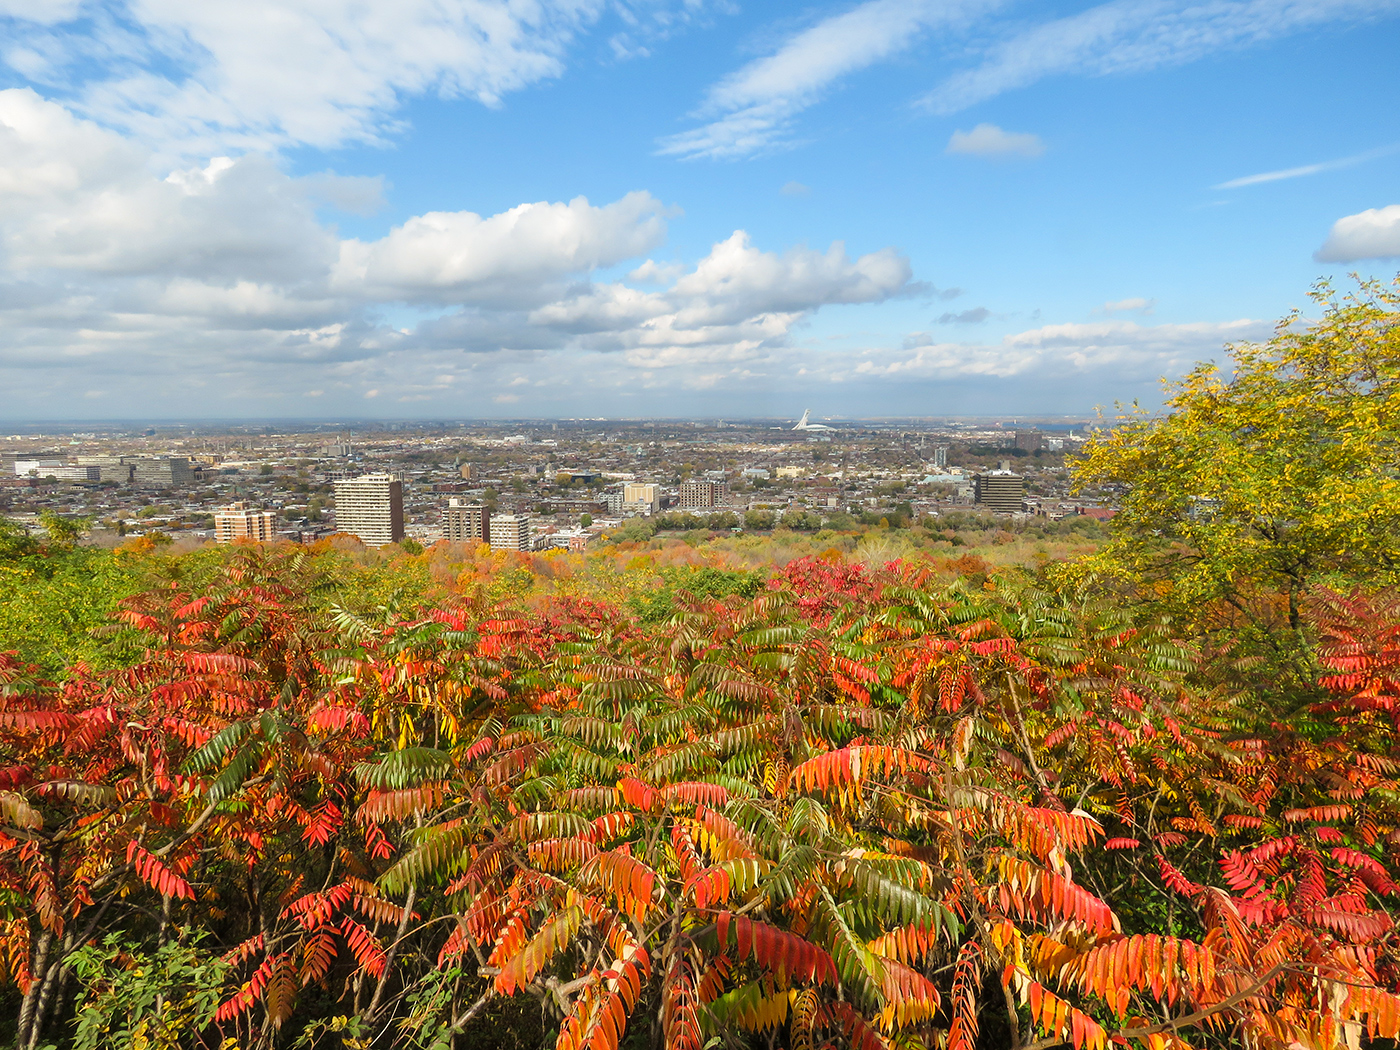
(1268, 475)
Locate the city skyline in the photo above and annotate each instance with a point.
(888, 208)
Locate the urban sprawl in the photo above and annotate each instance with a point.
(531, 485)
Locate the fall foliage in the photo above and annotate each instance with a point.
(858, 808)
(294, 802)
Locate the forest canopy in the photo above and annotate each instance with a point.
(869, 796)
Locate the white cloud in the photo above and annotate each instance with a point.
(461, 257)
(988, 140)
(794, 189)
(74, 196)
(215, 76)
(1137, 305)
(752, 109)
(1130, 36)
(1306, 169)
(218, 289)
(1126, 351)
(1371, 234)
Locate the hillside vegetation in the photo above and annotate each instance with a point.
(891, 789)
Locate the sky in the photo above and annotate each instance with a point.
(456, 209)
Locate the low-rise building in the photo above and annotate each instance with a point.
(241, 521)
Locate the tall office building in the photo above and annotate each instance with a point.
(511, 532)
(697, 495)
(1000, 491)
(239, 521)
(940, 456)
(370, 507)
(466, 522)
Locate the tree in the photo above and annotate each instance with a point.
(585, 520)
(15, 541)
(1262, 481)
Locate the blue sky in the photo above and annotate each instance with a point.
(448, 209)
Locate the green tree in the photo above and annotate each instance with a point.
(585, 520)
(1265, 480)
(15, 541)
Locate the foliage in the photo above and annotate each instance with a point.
(1271, 477)
(15, 541)
(855, 806)
(140, 1001)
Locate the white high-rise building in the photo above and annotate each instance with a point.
(370, 507)
(511, 532)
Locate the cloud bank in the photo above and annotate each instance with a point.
(116, 278)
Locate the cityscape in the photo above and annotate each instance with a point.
(532, 486)
(699, 525)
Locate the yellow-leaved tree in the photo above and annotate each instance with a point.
(1265, 477)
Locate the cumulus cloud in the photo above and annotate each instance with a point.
(795, 189)
(1371, 234)
(233, 75)
(988, 140)
(219, 286)
(453, 257)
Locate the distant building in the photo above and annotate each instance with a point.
(940, 456)
(1099, 513)
(510, 532)
(466, 472)
(165, 472)
(109, 468)
(641, 498)
(55, 468)
(791, 472)
(1000, 491)
(239, 521)
(583, 477)
(339, 450)
(1029, 440)
(466, 522)
(698, 495)
(38, 468)
(161, 472)
(370, 507)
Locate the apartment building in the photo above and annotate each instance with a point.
(511, 532)
(699, 495)
(466, 522)
(240, 521)
(370, 507)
